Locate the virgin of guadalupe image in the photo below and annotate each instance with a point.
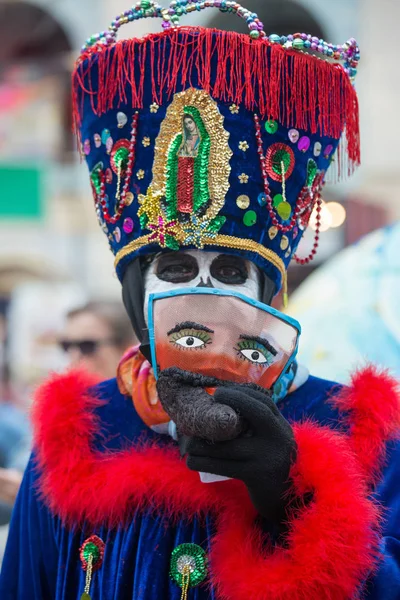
(191, 138)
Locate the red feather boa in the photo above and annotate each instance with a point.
(331, 542)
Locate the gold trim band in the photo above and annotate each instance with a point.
(225, 241)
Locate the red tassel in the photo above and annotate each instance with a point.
(292, 87)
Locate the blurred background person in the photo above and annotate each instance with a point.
(96, 336)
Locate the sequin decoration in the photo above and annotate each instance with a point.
(95, 178)
(284, 210)
(128, 225)
(277, 199)
(154, 107)
(250, 218)
(328, 151)
(272, 232)
(293, 136)
(243, 178)
(140, 174)
(271, 127)
(129, 198)
(122, 120)
(164, 233)
(146, 141)
(97, 140)
(105, 134)
(244, 146)
(234, 109)
(284, 242)
(276, 155)
(92, 547)
(262, 199)
(317, 149)
(312, 170)
(117, 235)
(188, 565)
(109, 145)
(199, 231)
(91, 554)
(86, 147)
(119, 157)
(109, 176)
(304, 143)
(243, 201)
(191, 135)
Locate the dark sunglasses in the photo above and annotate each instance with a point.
(85, 347)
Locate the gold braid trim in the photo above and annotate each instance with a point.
(224, 241)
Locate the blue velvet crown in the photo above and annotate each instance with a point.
(199, 138)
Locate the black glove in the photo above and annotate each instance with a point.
(194, 411)
(261, 457)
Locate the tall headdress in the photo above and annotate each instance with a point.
(200, 138)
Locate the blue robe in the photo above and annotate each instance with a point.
(42, 556)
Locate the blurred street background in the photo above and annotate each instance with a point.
(53, 255)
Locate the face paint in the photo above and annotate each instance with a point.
(222, 336)
(194, 268)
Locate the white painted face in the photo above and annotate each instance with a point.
(195, 268)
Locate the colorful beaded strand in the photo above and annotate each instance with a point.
(185, 582)
(89, 572)
(128, 176)
(269, 203)
(348, 53)
(311, 256)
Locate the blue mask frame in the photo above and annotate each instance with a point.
(217, 292)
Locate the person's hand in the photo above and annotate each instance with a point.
(194, 411)
(10, 481)
(261, 457)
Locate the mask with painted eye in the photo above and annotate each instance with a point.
(221, 334)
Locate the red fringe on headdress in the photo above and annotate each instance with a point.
(295, 88)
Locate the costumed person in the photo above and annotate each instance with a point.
(214, 148)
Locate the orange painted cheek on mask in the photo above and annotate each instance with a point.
(219, 365)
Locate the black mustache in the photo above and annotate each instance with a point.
(193, 410)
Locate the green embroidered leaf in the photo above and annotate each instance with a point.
(216, 224)
(143, 221)
(312, 171)
(171, 242)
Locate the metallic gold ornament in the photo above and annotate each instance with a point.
(284, 242)
(243, 201)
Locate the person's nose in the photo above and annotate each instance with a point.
(75, 357)
(207, 284)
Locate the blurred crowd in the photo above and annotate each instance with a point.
(92, 336)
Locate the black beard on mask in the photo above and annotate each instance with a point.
(194, 411)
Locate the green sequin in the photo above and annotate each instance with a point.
(281, 156)
(271, 127)
(86, 596)
(121, 158)
(91, 550)
(171, 242)
(200, 193)
(277, 200)
(284, 210)
(312, 171)
(95, 177)
(250, 218)
(192, 556)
